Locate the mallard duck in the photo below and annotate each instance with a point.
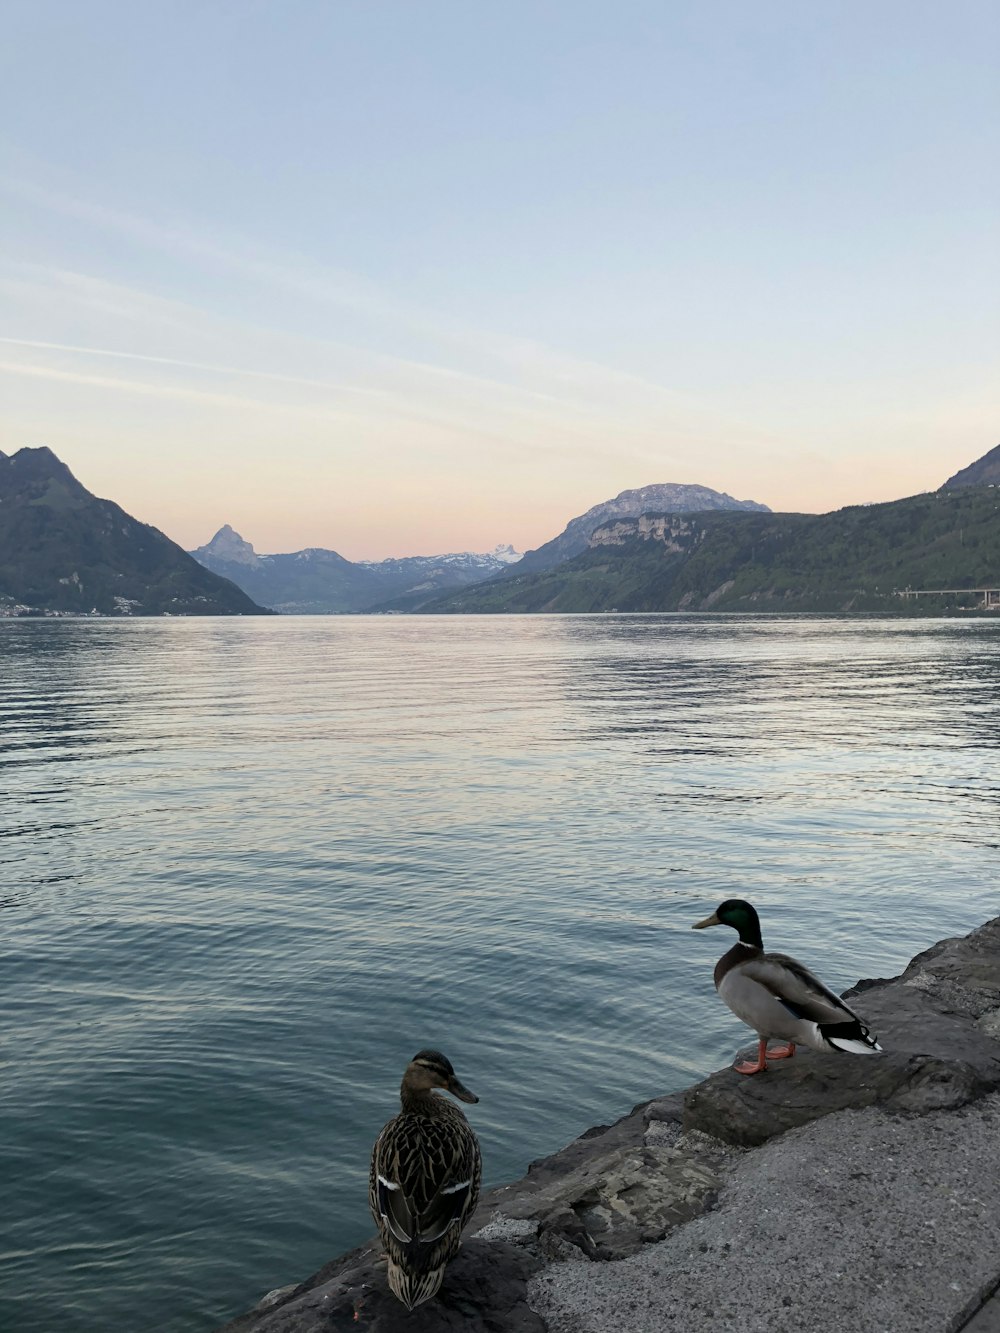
(424, 1181)
(778, 997)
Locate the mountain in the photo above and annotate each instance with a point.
(227, 547)
(421, 578)
(667, 497)
(64, 550)
(321, 582)
(855, 559)
(309, 581)
(481, 564)
(984, 471)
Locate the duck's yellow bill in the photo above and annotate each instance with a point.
(712, 920)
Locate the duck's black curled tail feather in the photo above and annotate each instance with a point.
(851, 1036)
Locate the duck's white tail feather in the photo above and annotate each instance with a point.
(414, 1288)
(853, 1037)
(855, 1045)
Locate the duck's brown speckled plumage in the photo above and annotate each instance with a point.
(423, 1188)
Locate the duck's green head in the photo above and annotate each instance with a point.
(430, 1069)
(739, 914)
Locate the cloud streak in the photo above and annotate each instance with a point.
(521, 369)
(200, 366)
(281, 360)
(375, 392)
(186, 393)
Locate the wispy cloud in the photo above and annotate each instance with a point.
(148, 315)
(182, 392)
(519, 370)
(200, 366)
(288, 377)
(374, 392)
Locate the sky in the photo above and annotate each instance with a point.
(397, 277)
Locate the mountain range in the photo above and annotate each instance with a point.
(317, 581)
(657, 548)
(321, 582)
(855, 559)
(63, 550)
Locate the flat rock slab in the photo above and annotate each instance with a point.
(863, 1222)
(623, 1203)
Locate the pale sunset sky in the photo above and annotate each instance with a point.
(410, 276)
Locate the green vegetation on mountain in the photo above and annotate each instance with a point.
(64, 550)
(856, 559)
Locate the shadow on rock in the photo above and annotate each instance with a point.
(484, 1291)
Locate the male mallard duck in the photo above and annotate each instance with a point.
(424, 1182)
(778, 997)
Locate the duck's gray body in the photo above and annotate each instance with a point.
(782, 1000)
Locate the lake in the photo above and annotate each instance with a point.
(250, 866)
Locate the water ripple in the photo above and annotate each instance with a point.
(250, 866)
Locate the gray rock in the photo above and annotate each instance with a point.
(861, 1205)
(630, 1199)
(484, 1291)
(862, 1222)
(986, 1319)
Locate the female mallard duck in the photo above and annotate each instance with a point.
(424, 1181)
(778, 997)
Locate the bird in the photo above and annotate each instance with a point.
(780, 998)
(424, 1181)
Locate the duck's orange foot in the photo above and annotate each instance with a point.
(754, 1066)
(782, 1052)
(751, 1067)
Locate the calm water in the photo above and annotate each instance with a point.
(250, 866)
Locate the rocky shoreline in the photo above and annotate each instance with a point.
(830, 1194)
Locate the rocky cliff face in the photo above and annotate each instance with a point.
(829, 1193)
(667, 497)
(676, 534)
